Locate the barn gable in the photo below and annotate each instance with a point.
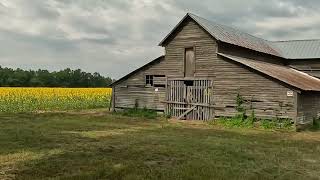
(153, 62)
(226, 34)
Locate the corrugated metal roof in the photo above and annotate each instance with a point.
(285, 74)
(298, 49)
(233, 36)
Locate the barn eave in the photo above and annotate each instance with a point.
(285, 74)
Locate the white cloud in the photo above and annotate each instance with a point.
(289, 23)
(114, 37)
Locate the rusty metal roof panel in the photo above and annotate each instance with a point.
(285, 74)
(298, 49)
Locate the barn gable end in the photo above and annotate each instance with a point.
(133, 91)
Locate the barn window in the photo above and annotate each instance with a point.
(149, 80)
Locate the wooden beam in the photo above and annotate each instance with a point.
(189, 78)
(187, 112)
(113, 101)
(184, 103)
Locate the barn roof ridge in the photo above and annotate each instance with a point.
(288, 49)
(228, 26)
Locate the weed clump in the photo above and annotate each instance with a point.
(316, 124)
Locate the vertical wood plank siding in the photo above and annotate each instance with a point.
(308, 107)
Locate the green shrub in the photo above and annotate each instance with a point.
(168, 115)
(251, 122)
(268, 124)
(237, 121)
(277, 123)
(316, 124)
(136, 112)
(240, 101)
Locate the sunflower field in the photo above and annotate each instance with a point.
(53, 99)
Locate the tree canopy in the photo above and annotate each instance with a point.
(43, 78)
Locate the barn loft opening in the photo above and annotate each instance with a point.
(189, 83)
(160, 85)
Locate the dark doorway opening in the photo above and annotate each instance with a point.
(189, 83)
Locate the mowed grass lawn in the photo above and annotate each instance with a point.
(101, 145)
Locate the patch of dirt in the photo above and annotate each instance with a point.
(190, 123)
(93, 112)
(311, 136)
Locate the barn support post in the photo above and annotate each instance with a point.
(112, 101)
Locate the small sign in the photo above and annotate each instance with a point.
(156, 90)
(290, 93)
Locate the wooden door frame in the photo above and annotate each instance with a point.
(184, 59)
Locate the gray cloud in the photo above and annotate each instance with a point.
(114, 37)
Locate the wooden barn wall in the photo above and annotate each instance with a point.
(192, 35)
(267, 97)
(310, 66)
(308, 107)
(133, 91)
(247, 53)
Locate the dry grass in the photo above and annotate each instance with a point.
(100, 145)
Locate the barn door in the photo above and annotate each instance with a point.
(189, 62)
(190, 100)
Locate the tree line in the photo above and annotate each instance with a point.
(43, 78)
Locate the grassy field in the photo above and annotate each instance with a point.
(100, 145)
(52, 99)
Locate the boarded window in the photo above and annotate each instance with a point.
(159, 81)
(189, 62)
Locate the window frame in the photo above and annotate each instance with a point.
(149, 80)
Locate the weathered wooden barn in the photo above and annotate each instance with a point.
(206, 65)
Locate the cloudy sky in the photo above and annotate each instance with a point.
(113, 37)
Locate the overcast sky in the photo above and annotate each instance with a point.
(113, 37)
